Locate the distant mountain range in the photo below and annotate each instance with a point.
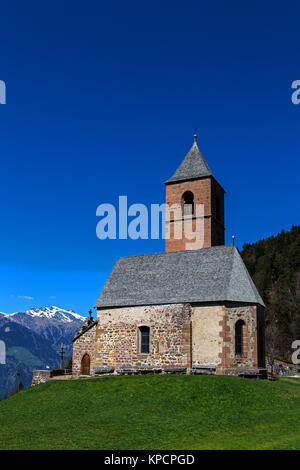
(33, 339)
(55, 324)
(50, 313)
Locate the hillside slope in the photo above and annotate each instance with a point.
(154, 412)
(25, 351)
(33, 339)
(274, 264)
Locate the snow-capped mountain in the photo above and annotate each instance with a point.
(52, 313)
(33, 339)
(57, 325)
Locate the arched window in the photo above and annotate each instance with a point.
(85, 364)
(239, 337)
(188, 203)
(144, 339)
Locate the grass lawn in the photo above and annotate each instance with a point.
(154, 412)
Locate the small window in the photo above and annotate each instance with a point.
(188, 203)
(144, 339)
(239, 329)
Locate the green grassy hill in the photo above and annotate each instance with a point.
(154, 412)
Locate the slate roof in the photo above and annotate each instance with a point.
(215, 274)
(193, 166)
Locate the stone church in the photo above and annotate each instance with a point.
(184, 310)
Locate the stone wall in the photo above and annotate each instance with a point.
(181, 335)
(117, 342)
(84, 344)
(230, 361)
(206, 329)
(40, 376)
(261, 347)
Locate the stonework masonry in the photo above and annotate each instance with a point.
(40, 376)
(181, 335)
(230, 362)
(85, 344)
(170, 336)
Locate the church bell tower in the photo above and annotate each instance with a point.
(198, 196)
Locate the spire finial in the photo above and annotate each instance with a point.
(195, 137)
(233, 240)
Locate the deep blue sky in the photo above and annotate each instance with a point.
(103, 99)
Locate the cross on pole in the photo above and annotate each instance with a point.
(62, 352)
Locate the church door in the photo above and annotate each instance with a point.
(85, 365)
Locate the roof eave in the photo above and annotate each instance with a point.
(194, 301)
(170, 181)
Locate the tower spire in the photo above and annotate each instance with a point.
(192, 167)
(193, 184)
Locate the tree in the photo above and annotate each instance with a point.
(274, 265)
